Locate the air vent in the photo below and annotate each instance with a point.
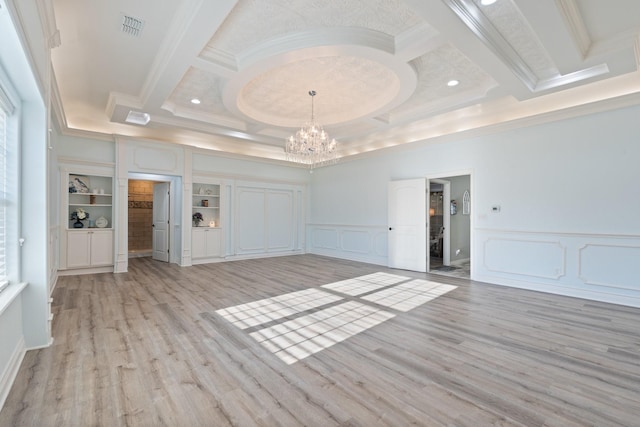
(132, 26)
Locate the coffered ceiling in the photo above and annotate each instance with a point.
(380, 68)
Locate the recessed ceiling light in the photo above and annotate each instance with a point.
(487, 2)
(452, 83)
(138, 118)
(195, 101)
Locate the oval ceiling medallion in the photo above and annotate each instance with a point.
(348, 88)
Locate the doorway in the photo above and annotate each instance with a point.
(449, 246)
(140, 218)
(148, 219)
(436, 225)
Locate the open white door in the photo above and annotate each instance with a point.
(408, 224)
(161, 221)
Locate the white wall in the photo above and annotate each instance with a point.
(567, 192)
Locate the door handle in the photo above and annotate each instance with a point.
(390, 228)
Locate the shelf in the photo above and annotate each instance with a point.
(91, 194)
(204, 207)
(89, 228)
(89, 204)
(216, 196)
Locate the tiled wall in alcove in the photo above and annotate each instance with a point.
(140, 215)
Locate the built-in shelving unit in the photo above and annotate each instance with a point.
(206, 235)
(87, 217)
(206, 201)
(92, 194)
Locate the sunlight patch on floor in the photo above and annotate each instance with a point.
(269, 309)
(312, 328)
(363, 284)
(409, 295)
(296, 339)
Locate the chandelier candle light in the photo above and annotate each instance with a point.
(311, 145)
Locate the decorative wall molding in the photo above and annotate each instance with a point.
(610, 265)
(358, 241)
(594, 266)
(266, 218)
(324, 238)
(353, 242)
(494, 258)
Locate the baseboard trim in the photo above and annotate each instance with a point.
(350, 257)
(564, 290)
(11, 371)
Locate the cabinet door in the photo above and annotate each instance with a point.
(101, 247)
(206, 243)
(78, 249)
(198, 243)
(213, 242)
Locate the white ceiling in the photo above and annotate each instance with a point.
(380, 67)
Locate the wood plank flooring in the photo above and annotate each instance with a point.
(147, 348)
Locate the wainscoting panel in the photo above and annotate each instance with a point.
(358, 243)
(324, 238)
(525, 257)
(250, 220)
(616, 266)
(280, 220)
(266, 219)
(592, 266)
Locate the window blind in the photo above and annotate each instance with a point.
(3, 197)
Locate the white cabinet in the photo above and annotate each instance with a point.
(206, 243)
(89, 248)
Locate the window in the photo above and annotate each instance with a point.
(3, 199)
(6, 108)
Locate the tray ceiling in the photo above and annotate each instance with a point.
(380, 67)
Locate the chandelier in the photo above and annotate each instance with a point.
(311, 145)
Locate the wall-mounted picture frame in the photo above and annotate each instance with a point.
(79, 184)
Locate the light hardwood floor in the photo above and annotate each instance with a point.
(147, 348)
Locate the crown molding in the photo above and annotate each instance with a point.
(573, 19)
(48, 20)
(482, 27)
(180, 37)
